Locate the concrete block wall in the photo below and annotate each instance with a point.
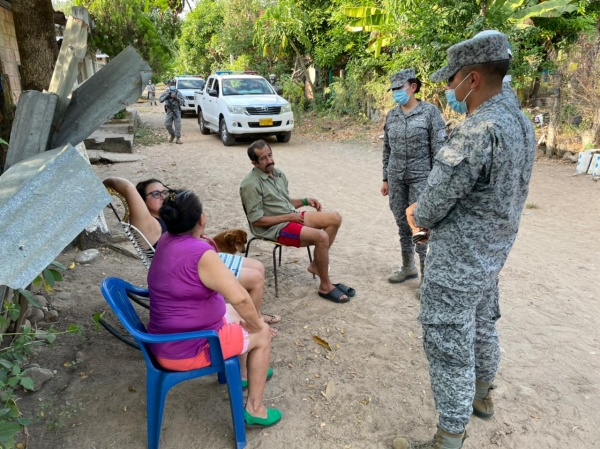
(9, 51)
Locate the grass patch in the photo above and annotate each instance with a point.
(147, 137)
(532, 206)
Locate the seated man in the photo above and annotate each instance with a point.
(273, 216)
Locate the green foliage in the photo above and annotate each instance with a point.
(150, 27)
(12, 358)
(55, 416)
(199, 45)
(22, 346)
(120, 115)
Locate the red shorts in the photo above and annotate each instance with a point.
(234, 341)
(290, 235)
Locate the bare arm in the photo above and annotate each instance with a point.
(140, 216)
(267, 222)
(215, 275)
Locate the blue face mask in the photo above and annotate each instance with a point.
(172, 87)
(400, 96)
(455, 105)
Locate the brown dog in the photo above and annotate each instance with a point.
(231, 241)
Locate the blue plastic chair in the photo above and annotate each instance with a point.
(160, 380)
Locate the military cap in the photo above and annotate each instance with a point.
(399, 78)
(491, 32)
(490, 48)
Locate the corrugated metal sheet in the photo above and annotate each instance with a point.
(45, 202)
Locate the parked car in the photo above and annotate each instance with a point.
(242, 104)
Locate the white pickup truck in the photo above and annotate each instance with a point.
(237, 104)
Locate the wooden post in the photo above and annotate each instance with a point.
(72, 52)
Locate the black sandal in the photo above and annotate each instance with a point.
(335, 295)
(347, 290)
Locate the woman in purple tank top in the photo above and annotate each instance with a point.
(145, 200)
(188, 282)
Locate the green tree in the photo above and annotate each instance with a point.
(284, 25)
(150, 27)
(199, 47)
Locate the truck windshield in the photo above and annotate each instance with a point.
(190, 84)
(247, 86)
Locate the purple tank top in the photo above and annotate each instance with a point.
(179, 302)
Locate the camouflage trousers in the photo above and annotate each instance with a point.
(461, 344)
(173, 117)
(403, 193)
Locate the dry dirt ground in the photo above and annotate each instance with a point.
(548, 384)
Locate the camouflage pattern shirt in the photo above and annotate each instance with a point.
(475, 195)
(172, 104)
(411, 141)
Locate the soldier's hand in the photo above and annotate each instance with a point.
(410, 217)
(385, 189)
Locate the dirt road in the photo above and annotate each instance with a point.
(548, 385)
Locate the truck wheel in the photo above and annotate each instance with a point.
(203, 129)
(227, 139)
(284, 137)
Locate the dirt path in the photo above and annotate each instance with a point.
(548, 384)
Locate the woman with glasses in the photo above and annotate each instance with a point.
(145, 200)
(188, 265)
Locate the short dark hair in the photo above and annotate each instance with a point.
(258, 145)
(143, 185)
(493, 72)
(181, 211)
(416, 81)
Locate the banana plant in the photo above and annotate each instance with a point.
(373, 20)
(520, 12)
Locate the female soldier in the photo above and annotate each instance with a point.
(414, 132)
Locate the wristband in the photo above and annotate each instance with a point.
(385, 180)
(304, 201)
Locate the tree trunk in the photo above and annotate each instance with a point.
(36, 38)
(552, 139)
(596, 128)
(534, 90)
(304, 69)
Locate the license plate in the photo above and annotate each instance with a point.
(265, 122)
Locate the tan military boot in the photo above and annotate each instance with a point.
(178, 140)
(408, 270)
(441, 440)
(172, 138)
(483, 404)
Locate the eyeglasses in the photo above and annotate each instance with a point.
(157, 194)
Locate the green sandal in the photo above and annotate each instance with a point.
(273, 417)
(269, 375)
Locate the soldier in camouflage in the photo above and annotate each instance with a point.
(173, 100)
(414, 133)
(472, 206)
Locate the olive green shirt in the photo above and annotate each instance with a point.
(266, 196)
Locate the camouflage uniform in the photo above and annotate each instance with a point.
(173, 111)
(410, 143)
(472, 204)
(506, 87)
